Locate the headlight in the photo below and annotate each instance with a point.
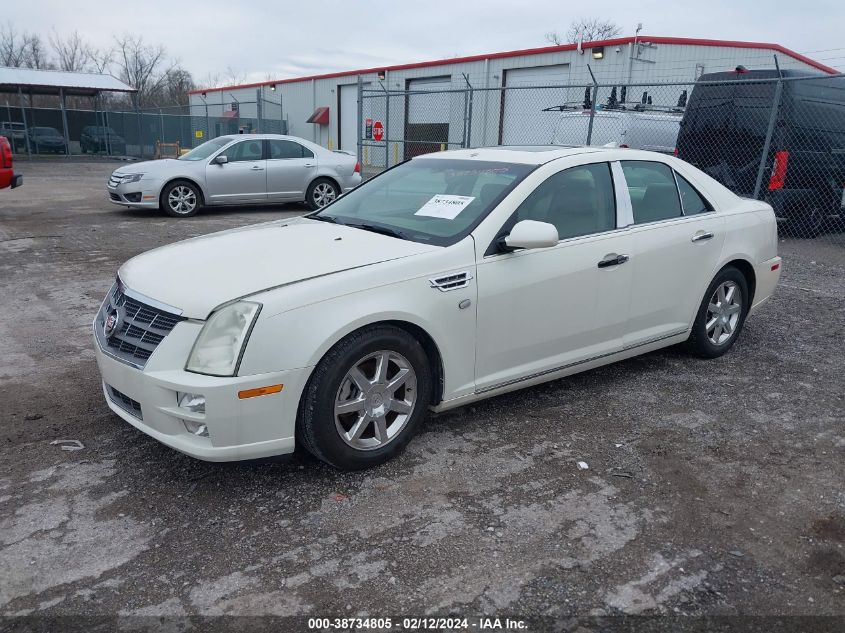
(125, 180)
(221, 342)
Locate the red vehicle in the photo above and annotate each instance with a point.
(8, 178)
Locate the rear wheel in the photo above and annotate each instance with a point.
(320, 193)
(180, 199)
(721, 314)
(366, 398)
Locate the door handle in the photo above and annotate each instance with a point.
(256, 168)
(309, 165)
(613, 260)
(700, 237)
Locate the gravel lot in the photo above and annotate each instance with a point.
(714, 487)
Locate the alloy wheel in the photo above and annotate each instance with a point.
(375, 400)
(723, 313)
(182, 199)
(323, 194)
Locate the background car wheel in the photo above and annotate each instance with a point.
(181, 199)
(807, 223)
(320, 193)
(365, 399)
(721, 315)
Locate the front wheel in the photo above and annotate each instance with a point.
(366, 399)
(320, 193)
(180, 199)
(721, 314)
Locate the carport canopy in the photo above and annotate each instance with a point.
(58, 82)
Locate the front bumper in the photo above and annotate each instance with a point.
(238, 429)
(142, 194)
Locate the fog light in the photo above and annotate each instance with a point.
(196, 428)
(193, 402)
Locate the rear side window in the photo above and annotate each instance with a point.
(578, 201)
(288, 149)
(692, 201)
(654, 195)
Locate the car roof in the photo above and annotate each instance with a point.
(524, 154)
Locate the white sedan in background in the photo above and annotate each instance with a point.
(451, 278)
(240, 169)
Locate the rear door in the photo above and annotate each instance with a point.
(675, 246)
(290, 167)
(243, 178)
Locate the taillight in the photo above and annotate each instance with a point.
(357, 167)
(778, 177)
(5, 154)
(676, 153)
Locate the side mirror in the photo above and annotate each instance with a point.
(531, 234)
(221, 159)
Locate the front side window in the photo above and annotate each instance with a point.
(437, 201)
(245, 150)
(578, 201)
(692, 201)
(288, 149)
(654, 195)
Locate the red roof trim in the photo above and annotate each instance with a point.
(537, 51)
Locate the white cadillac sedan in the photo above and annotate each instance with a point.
(450, 278)
(240, 169)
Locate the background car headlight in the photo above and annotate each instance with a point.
(131, 178)
(218, 348)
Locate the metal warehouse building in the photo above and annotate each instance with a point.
(325, 109)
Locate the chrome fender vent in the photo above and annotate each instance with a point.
(455, 281)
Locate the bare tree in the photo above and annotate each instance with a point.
(586, 30)
(233, 76)
(142, 66)
(72, 52)
(178, 83)
(100, 59)
(14, 46)
(36, 55)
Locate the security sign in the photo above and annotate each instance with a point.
(378, 131)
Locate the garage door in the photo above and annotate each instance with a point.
(523, 119)
(347, 135)
(427, 124)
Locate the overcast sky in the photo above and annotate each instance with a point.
(289, 39)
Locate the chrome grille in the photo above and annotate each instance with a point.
(142, 327)
(132, 407)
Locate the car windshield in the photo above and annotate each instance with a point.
(100, 131)
(437, 201)
(45, 131)
(205, 150)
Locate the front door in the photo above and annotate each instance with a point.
(242, 179)
(290, 168)
(542, 310)
(676, 242)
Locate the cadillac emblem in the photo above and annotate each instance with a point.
(112, 323)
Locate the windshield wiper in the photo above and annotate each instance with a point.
(384, 230)
(323, 218)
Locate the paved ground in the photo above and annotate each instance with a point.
(714, 487)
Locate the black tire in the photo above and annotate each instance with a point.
(316, 428)
(809, 223)
(699, 341)
(314, 196)
(165, 205)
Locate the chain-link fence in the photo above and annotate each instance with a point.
(778, 137)
(142, 133)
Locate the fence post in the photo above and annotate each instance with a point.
(161, 124)
(592, 106)
(25, 126)
(467, 141)
(386, 121)
(258, 112)
(64, 121)
(773, 116)
(359, 141)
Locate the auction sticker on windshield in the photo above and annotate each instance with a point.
(445, 206)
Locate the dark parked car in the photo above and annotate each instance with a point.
(723, 132)
(96, 138)
(47, 139)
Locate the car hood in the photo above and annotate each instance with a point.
(199, 274)
(155, 166)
